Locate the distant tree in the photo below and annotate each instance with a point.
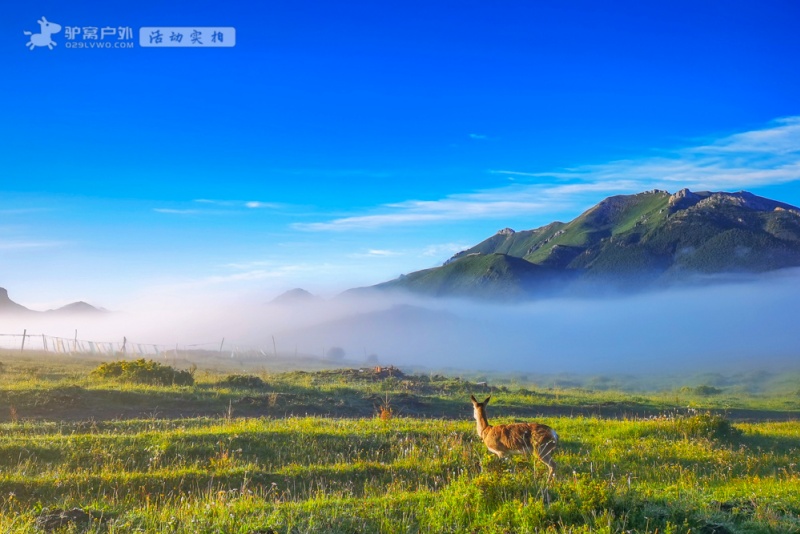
(335, 353)
(372, 359)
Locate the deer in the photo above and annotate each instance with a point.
(516, 438)
(43, 37)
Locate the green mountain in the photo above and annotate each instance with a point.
(491, 275)
(624, 242)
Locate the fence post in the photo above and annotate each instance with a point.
(44, 342)
(24, 333)
(75, 342)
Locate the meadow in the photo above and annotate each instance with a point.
(348, 450)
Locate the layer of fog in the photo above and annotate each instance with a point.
(737, 325)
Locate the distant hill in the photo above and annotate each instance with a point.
(8, 306)
(295, 296)
(625, 242)
(78, 307)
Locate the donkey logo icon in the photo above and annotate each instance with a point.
(43, 37)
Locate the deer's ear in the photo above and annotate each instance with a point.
(474, 400)
(487, 400)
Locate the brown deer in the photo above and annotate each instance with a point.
(516, 438)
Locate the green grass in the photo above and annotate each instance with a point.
(628, 462)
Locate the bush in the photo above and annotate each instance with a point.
(706, 425)
(704, 390)
(243, 381)
(335, 353)
(144, 372)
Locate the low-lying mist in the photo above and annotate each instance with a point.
(724, 327)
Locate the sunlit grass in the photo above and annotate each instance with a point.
(655, 466)
(322, 474)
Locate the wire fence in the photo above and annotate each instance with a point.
(29, 342)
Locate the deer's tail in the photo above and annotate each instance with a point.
(547, 442)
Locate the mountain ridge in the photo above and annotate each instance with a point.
(628, 241)
(8, 306)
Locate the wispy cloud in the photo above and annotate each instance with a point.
(220, 207)
(172, 211)
(383, 253)
(513, 173)
(444, 249)
(770, 155)
(250, 204)
(438, 251)
(783, 137)
(334, 174)
(260, 270)
(377, 253)
(478, 137)
(255, 204)
(27, 245)
(749, 159)
(23, 211)
(487, 204)
(250, 265)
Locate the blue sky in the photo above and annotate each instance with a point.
(342, 144)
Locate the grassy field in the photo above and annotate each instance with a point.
(296, 452)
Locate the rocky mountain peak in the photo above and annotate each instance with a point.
(747, 200)
(683, 199)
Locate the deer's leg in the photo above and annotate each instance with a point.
(545, 453)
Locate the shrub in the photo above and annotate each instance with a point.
(706, 425)
(335, 353)
(705, 390)
(243, 381)
(144, 372)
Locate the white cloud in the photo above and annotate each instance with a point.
(443, 250)
(250, 265)
(767, 156)
(176, 211)
(377, 253)
(781, 138)
(484, 205)
(27, 245)
(220, 207)
(478, 137)
(257, 271)
(744, 160)
(513, 173)
(255, 204)
(383, 253)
